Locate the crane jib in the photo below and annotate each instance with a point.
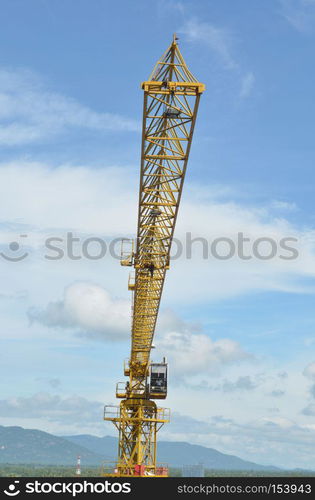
(171, 99)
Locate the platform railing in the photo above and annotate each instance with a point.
(115, 469)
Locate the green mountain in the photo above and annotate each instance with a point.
(31, 446)
(173, 453)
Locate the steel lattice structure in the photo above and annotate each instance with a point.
(171, 99)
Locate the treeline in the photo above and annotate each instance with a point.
(45, 471)
(7, 470)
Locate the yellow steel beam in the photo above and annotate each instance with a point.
(171, 99)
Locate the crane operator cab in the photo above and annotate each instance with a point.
(158, 380)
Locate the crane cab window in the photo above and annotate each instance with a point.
(158, 378)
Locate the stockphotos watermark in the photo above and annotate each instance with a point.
(75, 247)
(66, 487)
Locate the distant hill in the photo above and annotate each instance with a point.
(101, 445)
(173, 453)
(31, 446)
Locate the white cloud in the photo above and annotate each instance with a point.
(284, 206)
(36, 199)
(309, 371)
(209, 219)
(309, 410)
(247, 84)
(90, 309)
(195, 353)
(244, 383)
(18, 295)
(222, 43)
(30, 112)
(52, 408)
(219, 40)
(99, 200)
(300, 14)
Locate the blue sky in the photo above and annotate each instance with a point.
(239, 335)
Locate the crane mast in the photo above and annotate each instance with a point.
(171, 99)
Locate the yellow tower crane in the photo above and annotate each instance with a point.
(171, 98)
